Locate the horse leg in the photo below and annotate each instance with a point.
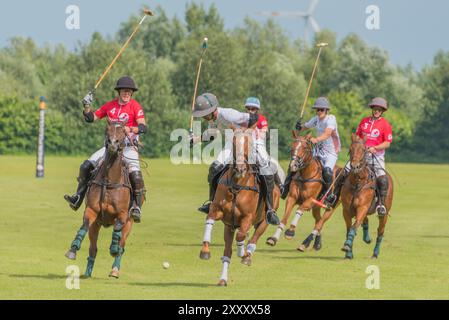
(210, 221)
(89, 217)
(314, 235)
(348, 222)
(271, 241)
(380, 235)
(257, 234)
(245, 225)
(93, 237)
(226, 259)
(360, 217)
(117, 234)
(115, 272)
(365, 226)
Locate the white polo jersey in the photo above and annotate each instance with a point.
(332, 144)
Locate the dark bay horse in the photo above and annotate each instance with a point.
(107, 203)
(358, 197)
(306, 186)
(239, 204)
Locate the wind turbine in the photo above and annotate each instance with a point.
(309, 20)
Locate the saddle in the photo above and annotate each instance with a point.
(260, 214)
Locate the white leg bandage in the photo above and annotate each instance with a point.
(208, 230)
(224, 273)
(240, 249)
(298, 216)
(279, 230)
(251, 248)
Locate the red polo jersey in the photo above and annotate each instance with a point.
(376, 131)
(128, 113)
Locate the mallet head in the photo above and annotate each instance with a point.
(322, 44)
(205, 40)
(148, 12)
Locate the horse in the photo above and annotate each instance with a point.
(306, 186)
(107, 203)
(358, 197)
(239, 204)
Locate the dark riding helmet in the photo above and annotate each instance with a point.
(126, 83)
(379, 102)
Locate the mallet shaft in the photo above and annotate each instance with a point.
(147, 13)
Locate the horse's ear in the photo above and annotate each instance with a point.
(308, 136)
(353, 137)
(365, 137)
(294, 134)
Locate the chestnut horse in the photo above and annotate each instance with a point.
(306, 186)
(358, 197)
(107, 203)
(239, 204)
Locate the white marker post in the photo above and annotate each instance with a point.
(41, 140)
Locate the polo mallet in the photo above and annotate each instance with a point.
(320, 203)
(147, 12)
(203, 52)
(321, 46)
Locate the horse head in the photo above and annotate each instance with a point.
(357, 153)
(242, 141)
(115, 137)
(300, 151)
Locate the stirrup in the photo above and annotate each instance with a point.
(205, 207)
(135, 213)
(73, 203)
(381, 210)
(330, 200)
(272, 217)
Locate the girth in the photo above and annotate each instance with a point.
(235, 189)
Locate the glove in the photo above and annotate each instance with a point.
(298, 125)
(88, 99)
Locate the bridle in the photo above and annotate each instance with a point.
(363, 163)
(301, 162)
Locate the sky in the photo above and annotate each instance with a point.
(410, 31)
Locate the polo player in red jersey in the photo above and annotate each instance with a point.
(126, 110)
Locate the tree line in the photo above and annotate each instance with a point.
(252, 60)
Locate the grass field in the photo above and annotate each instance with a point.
(37, 227)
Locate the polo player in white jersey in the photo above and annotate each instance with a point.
(327, 144)
(208, 108)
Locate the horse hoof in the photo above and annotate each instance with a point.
(204, 255)
(317, 247)
(85, 276)
(246, 261)
(289, 234)
(271, 241)
(374, 257)
(114, 273)
(346, 248)
(367, 241)
(302, 248)
(222, 283)
(71, 255)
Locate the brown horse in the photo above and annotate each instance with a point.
(306, 186)
(239, 203)
(358, 196)
(107, 203)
